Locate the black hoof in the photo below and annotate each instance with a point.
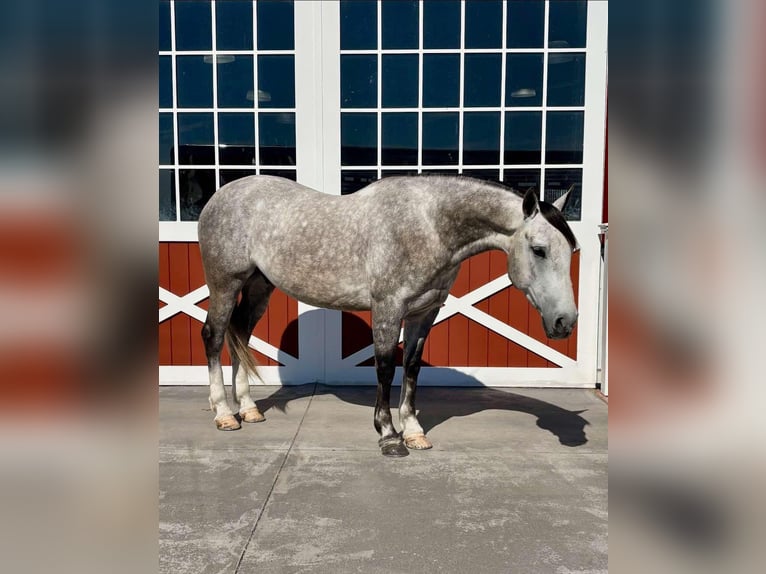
(393, 447)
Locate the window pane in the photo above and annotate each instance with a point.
(236, 139)
(485, 174)
(441, 171)
(167, 193)
(276, 28)
(229, 175)
(400, 25)
(167, 157)
(276, 138)
(482, 80)
(358, 81)
(441, 24)
(235, 81)
(441, 80)
(526, 24)
(194, 81)
(400, 139)
(523, 137)
(195, 139)
(564, 137)
(400, 81)
(286, 173)
(483, 24)
(358, 139)
(193, 29)
(166, 82)
(567, 21)
(353, 180)
(557, 182)
(524, 80)
(234, 25)
(398, 172)
(164, 30)
(358, 25)
(196, 188)
(440, 138)
(566, 79)
(276, 81)
(481, 138)
(522, 179)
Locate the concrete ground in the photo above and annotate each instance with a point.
(516, 482)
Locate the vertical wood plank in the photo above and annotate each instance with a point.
(478, 275)
(518, 318)
(178, 258)
(165, 341)
(497, 306)
(196, 279)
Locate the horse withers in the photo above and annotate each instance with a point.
(393, 248)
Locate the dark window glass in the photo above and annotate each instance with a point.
(399, 139)
(276, 81)
(164, 22)
(167, 195)
(166, 82)
(440, 138)
(194, 81)
(522, 179)
(482, 80)
(564, 137)
(358, 81)
(523, 135)
(524, 80)
(193, 29)
(286, 173)
(358, 139)
(485, 174)
(236, 138)
(354, 180)
(566, 23)
(276, 138)
(195, 139)
(197, 186)
(483, 24)
(441, 80)
(235, 81)
(228, 175)
(167, 157)
(441, 171)
(557, 182)
(398, 172)
(400, 25)
(566, 79)
(481, 138)
(400, 81)
(234, 25)
(358, 25)
(441, 24)
(276, 27)
(526, 24)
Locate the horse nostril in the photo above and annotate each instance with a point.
(560, 324)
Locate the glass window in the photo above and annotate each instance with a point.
(440, 138)
(557, 182)
(481, 138)
(197, 186)
(399, 139)
(483, 24)
(524, 80)
(399, 24)
(195, 139)
(358, 25)
(441, 80)
(354, 180)
(276, 81)
(482, 80)
(194, 81)
(526, 24)
(523, 137)
(276, 28)
(567, 20)
(441, 24)
(167, 195)
(522, 179)
(400, 81)
(193, 28)
(566, 79)
(564, 137)
(236, 138)
(276, 138)
(396, 172)
(485, 174)
(358, 81)
(167, 155)
(228, 175)
(164, 28)
(358, 139)
(166, 82)
(235, 81)
(234, 25)
(286, 173)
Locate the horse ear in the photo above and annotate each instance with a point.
(529, 205)
(562, 201)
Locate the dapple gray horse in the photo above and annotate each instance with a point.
(394, 248)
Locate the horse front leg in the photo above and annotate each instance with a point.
(386, 323)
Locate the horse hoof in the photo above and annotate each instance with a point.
(417, 442)
(227, 423)
(393, 448)
(252, 415)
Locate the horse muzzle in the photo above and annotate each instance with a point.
(562, 327)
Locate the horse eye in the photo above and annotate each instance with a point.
(539, 252)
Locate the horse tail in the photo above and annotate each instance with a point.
(238, 346)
